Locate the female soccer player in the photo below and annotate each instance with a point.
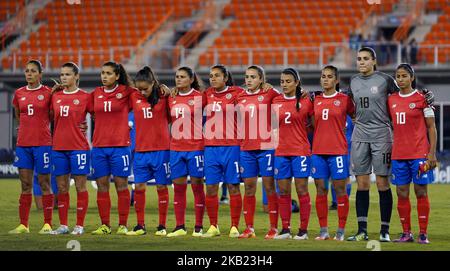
(151, 158)
(111, 152)
(34, 144)
(372, 140)
(187, 148)
(71, 154)
(293, 152)
(329, 157)
(222, 148)
(413, 151)
(257, 148)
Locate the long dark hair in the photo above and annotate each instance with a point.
(411, 72)
(261, 73)
(192, 75)
(226, 73)
(372, 53)
(124, 79)
(336, 74)
(298, 89)
(147, 75)
(37, 63)
(74, 68)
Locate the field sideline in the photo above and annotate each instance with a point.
(439, 232)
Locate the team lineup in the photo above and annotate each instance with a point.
(231, 135)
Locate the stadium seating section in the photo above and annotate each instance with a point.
(10, 7)
(277, 24)
(100, 27)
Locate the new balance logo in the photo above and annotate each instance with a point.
(340, 171)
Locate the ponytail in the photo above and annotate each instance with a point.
(146, 74)
(192, 75)
(37, 63)
(298, 89)
(124, 79)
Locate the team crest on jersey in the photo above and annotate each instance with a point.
(40, 97)
(228, 96)
(260, 98)
(412, 105)
(337, 103)
(275, 171)
(374, 89)
(76, 101)
(191, 102)
(119, 96)
(58, 101)
(313, 170)
(23, 99)
(241, 169)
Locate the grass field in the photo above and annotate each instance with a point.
(439, 232)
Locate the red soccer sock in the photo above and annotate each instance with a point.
(235, 209)
(249, 210)
(212, 207)
(423, 212)
(179, 203)
(104, 207)
(342, 209)
(139, 206)
(82, 207)
(163, 205)
(305, 210)
(404, 212)
(199, 203)
(272, 204)
(47, 203)
(123, 206)
(285, 210)
(63, 207)
(322, 210)
(24, 208)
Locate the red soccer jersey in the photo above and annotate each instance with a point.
(70, 111)
(152, 124)
(255, 119)
(221, 117)
(330, 114)
(111, 109)
(292, 133)
(186, 112)
(34, 120)
(410, 129)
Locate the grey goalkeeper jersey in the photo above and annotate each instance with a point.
(370, 95)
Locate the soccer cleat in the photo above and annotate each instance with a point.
(234, 232)
(323, 236)
(301, 235)
(198, 232)
(333, 206)
(271, 233)
(247, 233)
(122, 230)
(103, 229)
(77, 230)
(138, 230)
(284, 234)
(384, 237)
(63, 229)
(406, 237)
(339, 236)
(161, 231)
(178, 231)
(224, 201)
(20, 229)
(212, 231)
(423, 239)
(46, 229)
(360, 236)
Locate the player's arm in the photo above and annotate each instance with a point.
(432, 135)
(17, 114)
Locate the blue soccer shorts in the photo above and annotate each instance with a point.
(258, 161)
(407, 171)
(287, 167)
(222, 165)
(37, 158)
(73, 162)
(107, 161)
(152, 165)
(326, 166)
(184, 163)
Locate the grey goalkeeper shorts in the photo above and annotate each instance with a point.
(366, 156)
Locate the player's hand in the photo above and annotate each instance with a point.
(429, 95)
(57, 87)
(173, 92)
(165, 90)
(266, 87)
(431, 160)
(83, 127)
(304, 94)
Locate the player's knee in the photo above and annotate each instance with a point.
(26, 187)
(141, 186)
(211, 190)
(234, 189)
